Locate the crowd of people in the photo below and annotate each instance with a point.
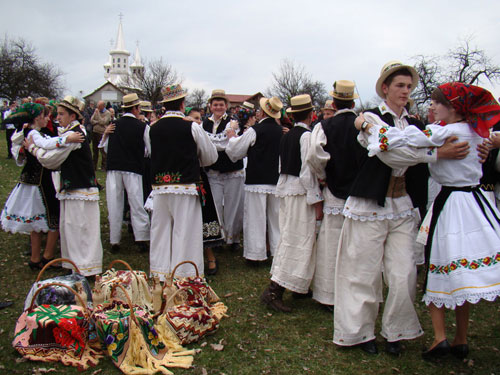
(343, 204)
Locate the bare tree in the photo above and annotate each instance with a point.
(465, 63)
(197, 98)
(156, 75)
(292, 80)
(23, 74)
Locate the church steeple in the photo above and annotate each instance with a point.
(116, 70)
(137, 67)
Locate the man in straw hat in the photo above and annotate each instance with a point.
(381, 206)
(125, 166)
(77, 189)
(178, 149)
(333, 156)
(261, 144)
(300, 207)
(225, 176)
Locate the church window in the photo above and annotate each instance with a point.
(118, 65)
(107, 70)
(118, 59)
(113, 60)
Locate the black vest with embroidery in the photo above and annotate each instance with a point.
(291, 162)
(346, 154)
(32, 170)
(174, 156)
(263, 156)
(77, 171)
(126, 146)
(223, 163)
(372, 181)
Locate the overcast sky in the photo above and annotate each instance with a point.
(236, 45)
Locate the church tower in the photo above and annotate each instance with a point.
(137, 68)
(116, 70)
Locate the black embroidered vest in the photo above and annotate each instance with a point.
(126, 146)
(346, 154)
(372, 181)
(223, 163)
(291, 162)
(263, 156)
(77, 171)
(32, 170)
(174, 157)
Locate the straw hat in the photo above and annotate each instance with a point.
(271, 106)
(391, 67)
(146, 106)
(343, 90)
(73, 104)
(300, 103)
(248, 105)
(130, 100)
(329, 105)
(172, 92)
(218, 94)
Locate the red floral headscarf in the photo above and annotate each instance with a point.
(479, 107)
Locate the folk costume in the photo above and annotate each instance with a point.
(32, 205)
(298, 189)
(125, 149)
(78, 194)
(178, 150)
(463, 233)
(261, 208)
(379, 206)
(334, 157)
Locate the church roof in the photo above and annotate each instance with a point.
(137, 59)
(120, 43)
(102, 86)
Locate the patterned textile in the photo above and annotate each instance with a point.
(133, 342)
(25, 113)
(480, 108)
(195, 285)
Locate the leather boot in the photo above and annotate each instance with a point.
(273, 298)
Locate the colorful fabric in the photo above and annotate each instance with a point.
(26, 113)
(197, 285)
(55, 333)
(479, 107)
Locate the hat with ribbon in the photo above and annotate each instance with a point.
(218, 94)
(248, 105)
(173, 92)
(146, 106)
(73, 104)
(329, 105)
(300, 103)
(271, 106)
(131, 100)
(343, 90)
(391, 67)
(479, 107)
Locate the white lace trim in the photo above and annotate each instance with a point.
(263, 189)
(175, 189)
(453, 302)
(283, 194)
(91, 194)
(390, 216)
(226, 175)
(333, 210)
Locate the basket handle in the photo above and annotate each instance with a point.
(171, 298)
(58, 260)
(131, 306)
(180, 264)
(84, 304)
(126, 265)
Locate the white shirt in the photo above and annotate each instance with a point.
(8, 125)
(306, 183)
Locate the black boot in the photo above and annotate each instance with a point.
(273, 298)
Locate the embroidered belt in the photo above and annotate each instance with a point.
(397, 187)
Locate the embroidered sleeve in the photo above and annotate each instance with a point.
(307, 178)
(48, 143)
(317, 157)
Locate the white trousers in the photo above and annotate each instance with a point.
(364, 248)
(295, 258)
(261, 213)
(323, 282)
(116, 183)
(80, 231)
(228, 198)
(176, 235)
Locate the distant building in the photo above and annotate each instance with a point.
(237, 100)
(120, 76)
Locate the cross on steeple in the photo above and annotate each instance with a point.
(120, 16)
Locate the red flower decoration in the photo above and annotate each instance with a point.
(487, 260)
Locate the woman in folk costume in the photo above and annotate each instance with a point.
(462, 229)
(32, 206)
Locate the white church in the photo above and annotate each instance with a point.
(120, 76)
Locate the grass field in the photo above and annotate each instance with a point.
(256, 340)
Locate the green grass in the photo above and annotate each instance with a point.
(256, 340)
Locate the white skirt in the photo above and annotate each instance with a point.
(464, 263)
(24, 211)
